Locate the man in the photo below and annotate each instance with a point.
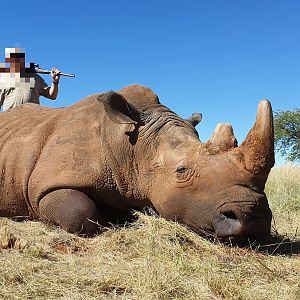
(18, 85)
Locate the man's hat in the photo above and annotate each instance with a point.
(14, 52)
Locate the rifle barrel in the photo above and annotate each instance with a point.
(42, 71)
(66, 74)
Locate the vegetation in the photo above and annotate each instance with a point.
(287, 133)
(155, 259)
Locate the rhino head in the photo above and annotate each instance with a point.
(217, 186)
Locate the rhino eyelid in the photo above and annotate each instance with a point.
(181, 169)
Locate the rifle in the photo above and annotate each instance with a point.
(35, 68)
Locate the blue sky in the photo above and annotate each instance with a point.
(215, 57)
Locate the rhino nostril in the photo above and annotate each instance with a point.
(230, 215)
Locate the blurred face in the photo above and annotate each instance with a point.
(16, 61)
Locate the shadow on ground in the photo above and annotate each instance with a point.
(279, 245)
(276, 244)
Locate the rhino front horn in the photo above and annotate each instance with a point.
(258, 147)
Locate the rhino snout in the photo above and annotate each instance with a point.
(239, 224)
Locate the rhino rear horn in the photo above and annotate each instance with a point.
(258, 147)
(222, 139)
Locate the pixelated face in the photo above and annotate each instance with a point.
(15, 75)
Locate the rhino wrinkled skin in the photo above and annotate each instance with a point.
(112, 152)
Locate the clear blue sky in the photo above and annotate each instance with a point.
(215, 57)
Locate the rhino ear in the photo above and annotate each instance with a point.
(195, 119)
(120, 111)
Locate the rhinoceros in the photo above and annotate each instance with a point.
(89, 164)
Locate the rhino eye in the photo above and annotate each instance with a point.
(181, 170)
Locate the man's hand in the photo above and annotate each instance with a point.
(55, 74)
(52, 92)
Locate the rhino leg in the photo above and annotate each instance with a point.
(72, 210)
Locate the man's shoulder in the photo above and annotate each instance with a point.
(38, 77)
(39, 80)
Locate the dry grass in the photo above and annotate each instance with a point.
(154, 259)
(283, 188)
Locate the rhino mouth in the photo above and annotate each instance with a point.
(239, 224)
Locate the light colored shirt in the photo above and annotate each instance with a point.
(16, 90)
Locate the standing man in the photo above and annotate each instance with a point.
(19, 86)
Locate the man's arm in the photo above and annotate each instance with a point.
(52, 92)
